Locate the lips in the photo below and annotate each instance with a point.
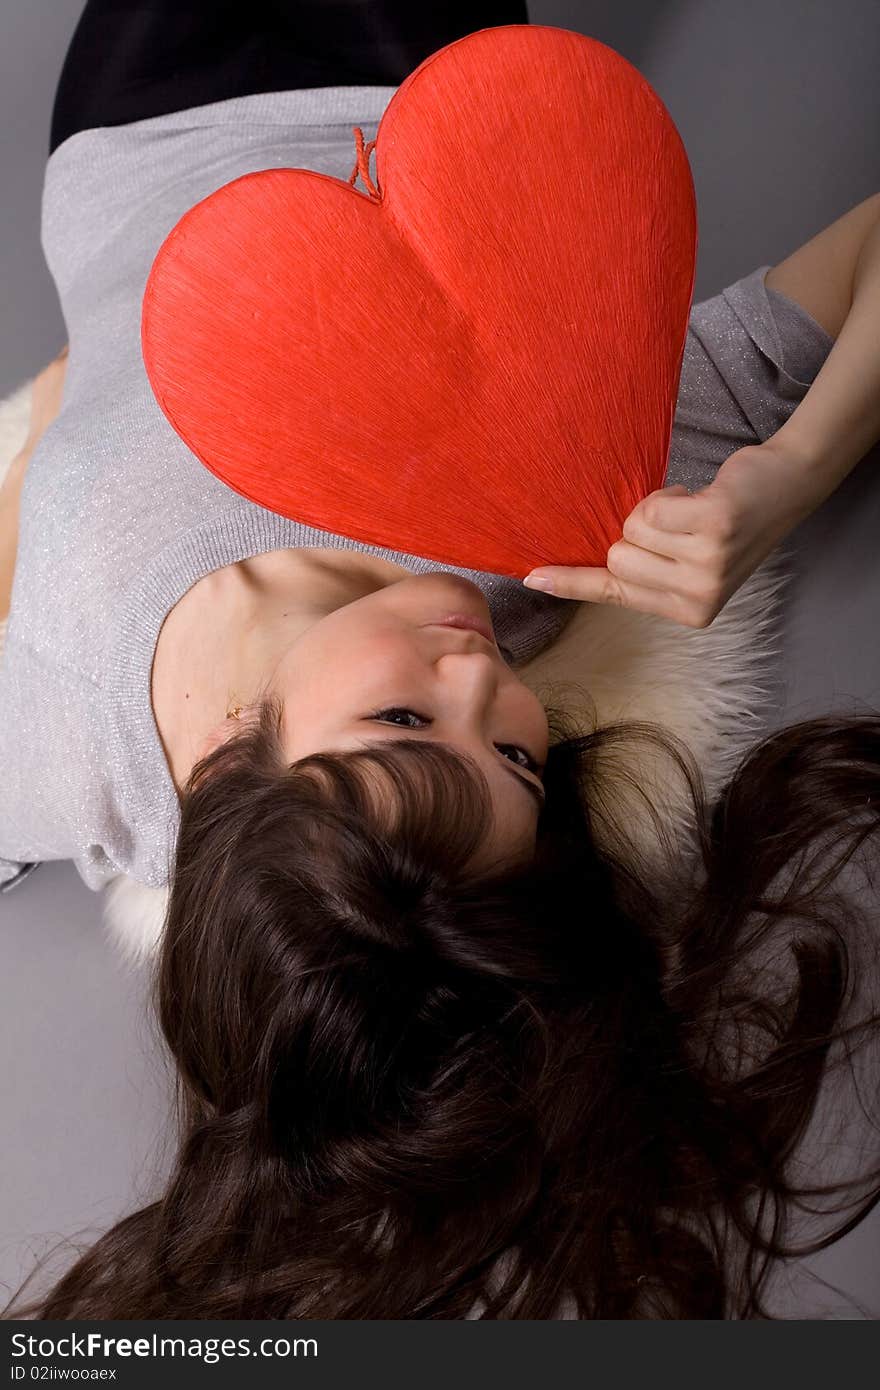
(469, 623)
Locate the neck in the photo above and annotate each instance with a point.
(221, 643)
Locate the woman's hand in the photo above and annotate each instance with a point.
(683, 555)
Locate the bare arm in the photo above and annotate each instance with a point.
(836, 278)
(45, 403)
(819, 275)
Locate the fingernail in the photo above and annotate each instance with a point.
(538, 581)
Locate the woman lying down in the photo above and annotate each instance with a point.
(439, 1054)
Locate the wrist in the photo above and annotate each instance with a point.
(819, 462)
(798, 447)
(811, 474)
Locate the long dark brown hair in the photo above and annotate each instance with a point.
(575, 1086)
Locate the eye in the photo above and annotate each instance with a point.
(386, 716)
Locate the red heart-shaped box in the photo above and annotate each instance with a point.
(477, 361)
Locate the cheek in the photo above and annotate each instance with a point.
(350, 657)
(534, 720)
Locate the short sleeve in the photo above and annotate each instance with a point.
(750, 357)
(50, 795)
(13, 874)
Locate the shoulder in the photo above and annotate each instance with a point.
(753, 313)
(766, 348)
(818, 276)
(750, 357)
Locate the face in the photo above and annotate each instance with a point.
(385, 667)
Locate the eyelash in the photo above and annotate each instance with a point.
(380, 714)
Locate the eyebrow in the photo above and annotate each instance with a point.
(537, 793)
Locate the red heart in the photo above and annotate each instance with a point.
(477, 361)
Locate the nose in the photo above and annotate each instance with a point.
(471, 672)
(475, 685)
(466, 642)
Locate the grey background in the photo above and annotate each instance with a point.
(779, 107)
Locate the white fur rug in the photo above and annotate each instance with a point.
(708, 686)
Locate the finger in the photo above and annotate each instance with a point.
(590, 584)
(664, 511)
(635, 564)
(625, 564)
(687, 546)
(593, 584)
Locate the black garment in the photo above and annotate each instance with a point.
(130, 59)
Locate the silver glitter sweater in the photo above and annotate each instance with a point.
(119, 519)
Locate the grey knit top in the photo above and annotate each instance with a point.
(119, 519)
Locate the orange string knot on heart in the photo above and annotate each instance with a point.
(362, 164)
